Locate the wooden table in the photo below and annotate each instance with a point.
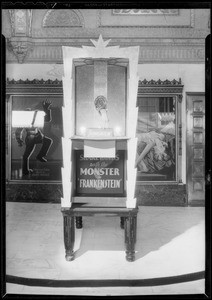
(74, 215)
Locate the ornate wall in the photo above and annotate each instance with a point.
(164, 35)
(174, 39)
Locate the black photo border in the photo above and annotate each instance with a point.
(98, 283)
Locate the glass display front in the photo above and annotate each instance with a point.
(36, 130)
(156, 132)
(100, 100)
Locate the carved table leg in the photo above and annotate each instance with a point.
(69, 237)
(122, 222)
(130, 237)
(78, 222)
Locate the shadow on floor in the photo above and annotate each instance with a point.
(153, 233)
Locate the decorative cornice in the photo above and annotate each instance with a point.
(55, 86)
(160, 82)
(59, 82)
(122, 32)
(170, 52)
(35, 86)
(160, 87)
(34, 81)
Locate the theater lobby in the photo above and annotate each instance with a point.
(107, 176)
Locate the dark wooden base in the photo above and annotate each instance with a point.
(128, 222)
(122, 219)
(78, 222)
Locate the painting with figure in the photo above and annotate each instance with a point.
(35, 138)
(156, 139)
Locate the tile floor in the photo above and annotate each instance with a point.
(170, 242)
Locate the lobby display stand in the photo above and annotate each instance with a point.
(73, 217)
(99, 141)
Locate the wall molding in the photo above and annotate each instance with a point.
(165, 51)
(38, 86)
(110, 32)
(35, 86)
(160, 87)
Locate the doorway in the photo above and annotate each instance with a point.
(195, 148)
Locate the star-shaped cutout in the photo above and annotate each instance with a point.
(100, 43)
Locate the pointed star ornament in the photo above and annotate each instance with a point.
(100, 44)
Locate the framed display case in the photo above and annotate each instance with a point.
(34, 130)
(159, 147)
(99, 119)
(114, 73)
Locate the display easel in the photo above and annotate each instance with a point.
(99, 142)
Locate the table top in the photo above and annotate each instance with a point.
(90, 209)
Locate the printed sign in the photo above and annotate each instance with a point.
(100, 176)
